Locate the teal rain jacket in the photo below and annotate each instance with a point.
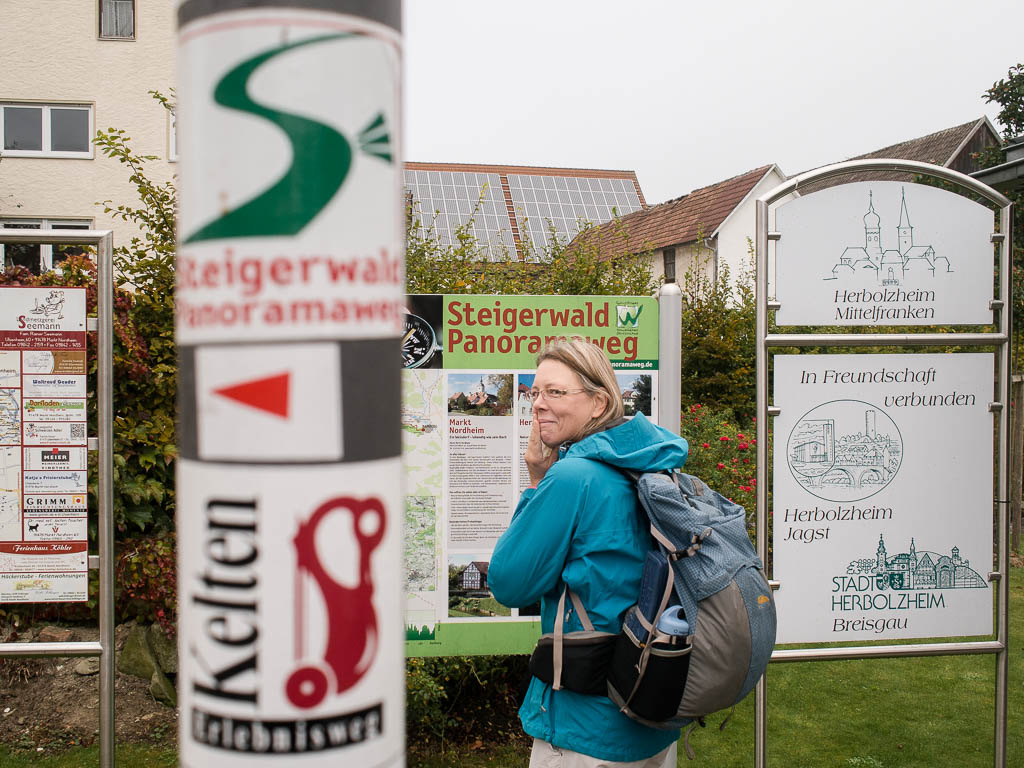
(581, 526)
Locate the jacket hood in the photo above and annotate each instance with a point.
(637, 444)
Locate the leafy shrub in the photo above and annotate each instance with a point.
(144, 424)
(461, 698)
(719, 339)
(723, 454)
(146, 575)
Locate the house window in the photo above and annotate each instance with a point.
(669, 256)
(117, 19)
(35, 257)
(46, 130)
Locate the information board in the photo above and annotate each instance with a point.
(882, 496)
(883, 253)
(468, 364)
(44, 552)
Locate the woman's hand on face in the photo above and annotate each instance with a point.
(539, 457)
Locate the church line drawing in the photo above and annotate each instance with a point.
(919, 570)
(872, 263)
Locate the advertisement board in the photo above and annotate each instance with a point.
(42, 445)
(468, 365)
(882, 496)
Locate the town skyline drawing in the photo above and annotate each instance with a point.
(891, 267)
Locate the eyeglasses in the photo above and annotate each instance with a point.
(553, 394)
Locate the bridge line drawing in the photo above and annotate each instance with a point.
(844, 463)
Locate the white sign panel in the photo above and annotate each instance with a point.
(42, 318)
(38, 385)
(56, 457)
(38, 572)
(242, 270)
(54, 433)
(268, 403)
(882, 496)
(310, 660)
(883, 253)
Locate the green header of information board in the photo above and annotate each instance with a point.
(509, 331)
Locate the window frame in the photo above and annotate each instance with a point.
(99, 23)
(46, 224)
(668, 256)
(45, 128)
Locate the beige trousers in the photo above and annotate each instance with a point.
(544, 755)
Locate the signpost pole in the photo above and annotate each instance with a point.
(761, 455)
(1006, 490)
(289, 309)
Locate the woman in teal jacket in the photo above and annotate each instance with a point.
(579, 525)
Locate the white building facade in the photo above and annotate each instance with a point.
(67, 69)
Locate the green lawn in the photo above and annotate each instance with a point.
(883, 713)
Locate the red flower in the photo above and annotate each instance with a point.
(742, 447)
(721, 465)
(705, 445)
(739, 435)
(724, 438)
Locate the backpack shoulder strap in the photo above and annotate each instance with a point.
(556, 651)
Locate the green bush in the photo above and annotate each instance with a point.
(719, 341)
(722, 454)
(458, 699)
(146, 575)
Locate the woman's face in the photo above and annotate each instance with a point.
(563, 418)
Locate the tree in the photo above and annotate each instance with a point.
(1008, 93)
(642, 394)
(144, 437)
(718, 337)
(565, 269)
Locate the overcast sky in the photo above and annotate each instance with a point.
(687, 94)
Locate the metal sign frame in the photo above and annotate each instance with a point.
(103, 241)
(1000, 339)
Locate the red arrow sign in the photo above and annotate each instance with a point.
(269, 394)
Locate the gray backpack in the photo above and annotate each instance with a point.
(703, 629)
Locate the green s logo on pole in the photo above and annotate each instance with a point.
(321, 159)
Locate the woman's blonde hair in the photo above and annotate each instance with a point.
(596, 375)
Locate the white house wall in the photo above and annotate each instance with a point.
(52, 54)
(733, 247)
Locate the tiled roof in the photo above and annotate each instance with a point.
(939, 148)
(677, 221)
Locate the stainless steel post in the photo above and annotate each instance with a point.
(670, 304)
(761, 430)
(105, 429)
(1005, 490)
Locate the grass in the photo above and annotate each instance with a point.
(881, 713)
(874, 713)
(126, 756)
